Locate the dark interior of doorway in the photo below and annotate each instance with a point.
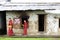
(41, 22)
(3, 30)
(23, 20)
(59, 22)
(25, 17)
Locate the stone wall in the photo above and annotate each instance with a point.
(13, 15)
(50, 25)
(33, 23)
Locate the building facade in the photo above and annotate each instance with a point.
(41, 20)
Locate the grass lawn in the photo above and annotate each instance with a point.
(7, 38)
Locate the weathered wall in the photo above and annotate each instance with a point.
(13, 15)
(33, 22)
(50, 25)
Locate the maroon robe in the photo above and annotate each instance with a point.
(25, 28)
(10, 30)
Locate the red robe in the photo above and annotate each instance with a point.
(10, 31)
(10, 23)
(25, 28)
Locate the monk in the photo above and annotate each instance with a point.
(25, 28)
(10, 25)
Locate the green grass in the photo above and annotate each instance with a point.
(4, 38)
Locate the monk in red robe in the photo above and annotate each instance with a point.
(10, 25)
(25, 28)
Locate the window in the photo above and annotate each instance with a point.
(16, 23)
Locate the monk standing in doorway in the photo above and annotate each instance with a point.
(25, 28)
(10, 25)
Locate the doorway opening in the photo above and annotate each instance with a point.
(3, 30)
(25, 17)
(59, 22)
(41, 22)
